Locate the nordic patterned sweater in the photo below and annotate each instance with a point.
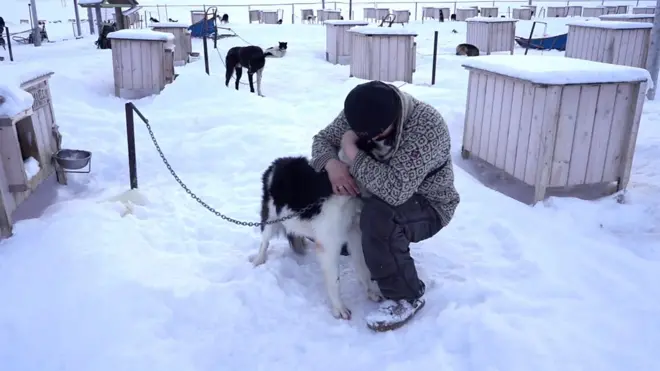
(421, 147)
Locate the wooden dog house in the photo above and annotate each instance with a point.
(182, 40)
(554, 121)
(383, 53)
(142, 61)
(29, 137)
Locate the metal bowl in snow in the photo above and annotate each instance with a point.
(72, 159)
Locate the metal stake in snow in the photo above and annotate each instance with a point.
(36, 31)
(654, 52)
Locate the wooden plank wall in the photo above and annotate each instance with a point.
(574, 11)
(557, 11)
(382, 57)
(522, 14)
(138, 68)
(623, 47)
(590, 130)
(464, 13)
(491, 36)
(489, 12)
(182, 47)
(593, 11)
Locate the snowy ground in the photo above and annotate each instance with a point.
(565, 285)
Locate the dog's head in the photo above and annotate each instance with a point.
(282, 45)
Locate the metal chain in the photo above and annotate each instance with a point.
(211, 209)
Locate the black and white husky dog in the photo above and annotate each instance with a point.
(251, 57)
(276, 51)
(291, 186)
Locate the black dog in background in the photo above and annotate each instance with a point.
(225, 18)
(251, 57)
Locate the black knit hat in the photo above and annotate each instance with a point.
(372, 107)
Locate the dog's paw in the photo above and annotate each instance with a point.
(257, 259)
(341, 312)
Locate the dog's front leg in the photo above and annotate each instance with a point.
(327, 252)
(250, 80)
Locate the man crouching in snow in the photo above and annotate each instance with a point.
(413, 193)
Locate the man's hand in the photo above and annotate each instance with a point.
(348, 144)
(342, 181)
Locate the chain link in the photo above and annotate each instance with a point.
(211, 209)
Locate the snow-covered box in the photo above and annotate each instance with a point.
(182, 40)
(624, 43)
(489, 12)
(29, 137)
(464, 13)
(434, 13)
(554, 121)
(142, 61)
(556, 11)
(593, 11)
(383, 53)
(574, 11)
(628, 17)
(524, 14)
(644, 10)
(491, 34)
(338, 41)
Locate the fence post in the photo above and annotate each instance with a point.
(130, 140)
(11, 53)
(415, 10)
(435, 56)
(293, 14)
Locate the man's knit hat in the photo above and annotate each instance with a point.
(372, 107)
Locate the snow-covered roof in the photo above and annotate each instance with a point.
(89, 2)
(141, 34)
(375, 30)
(490, 19)
(13, 99)
(169, 25)
(551, 70)
(612, 25)
(626, 16)
(346, 22)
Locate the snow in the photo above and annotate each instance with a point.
(375, 30)
(32, 167)
(490, 19)
(97, 278)
(141, 34)
(169, 25)
(611, 25)
(346, 22)
(14, 99)
(557, 70)
(89, 2)
(626, 16)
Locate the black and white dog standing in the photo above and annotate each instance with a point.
(276, 51)
(251, 57)
(291, 186)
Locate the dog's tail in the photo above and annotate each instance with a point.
(297, 244)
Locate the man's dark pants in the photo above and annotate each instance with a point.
(387, 232)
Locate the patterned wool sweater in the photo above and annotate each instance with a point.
(420, 162)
